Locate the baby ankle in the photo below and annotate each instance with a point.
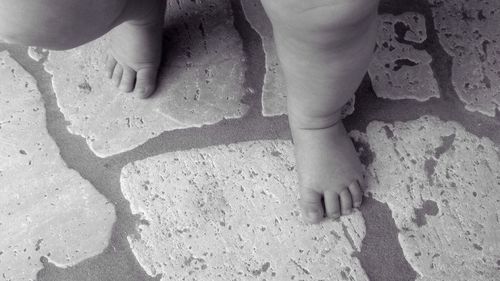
(311, 122)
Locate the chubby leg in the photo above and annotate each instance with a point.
(58, 24)
(65, 24)
(324, 47)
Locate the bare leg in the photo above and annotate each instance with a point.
(325, 47)
(59, 24)
(65, 24)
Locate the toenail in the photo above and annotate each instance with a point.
(347, 212)
(335, 215)
(313, 216)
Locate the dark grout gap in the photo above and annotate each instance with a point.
(254, 56)
(381, 255)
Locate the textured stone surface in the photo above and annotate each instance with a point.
(398, 70)
(443, 186)
(468, 30)
(274, 89)
(46, 209)
(230, 213)
(201, 82)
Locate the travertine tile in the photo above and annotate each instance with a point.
(46, 209)
(398, 70)
(468, 31)
(201, 82)
(230, 213)
(443, 187)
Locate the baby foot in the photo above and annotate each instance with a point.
(330, 172)
(136, 48)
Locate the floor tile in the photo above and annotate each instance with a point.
(46, 209)
(468, 30)
(230, 212)
(398, 70)
(443, 187)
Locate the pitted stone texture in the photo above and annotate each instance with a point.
(468, 31)
(230, 213)
(201, 82)
(46, 209)
(274, 89)
(398, 70)
(443, 186)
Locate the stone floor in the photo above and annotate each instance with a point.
(198, 182)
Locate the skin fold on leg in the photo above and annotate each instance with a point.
(324, 47)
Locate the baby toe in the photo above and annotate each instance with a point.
(128, 80)
(117, 75)
(110, 66)
(312, 207)
(356, 194)
(345, 202)
(146, 82)
(332, 204)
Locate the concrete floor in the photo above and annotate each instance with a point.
(399, 233)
